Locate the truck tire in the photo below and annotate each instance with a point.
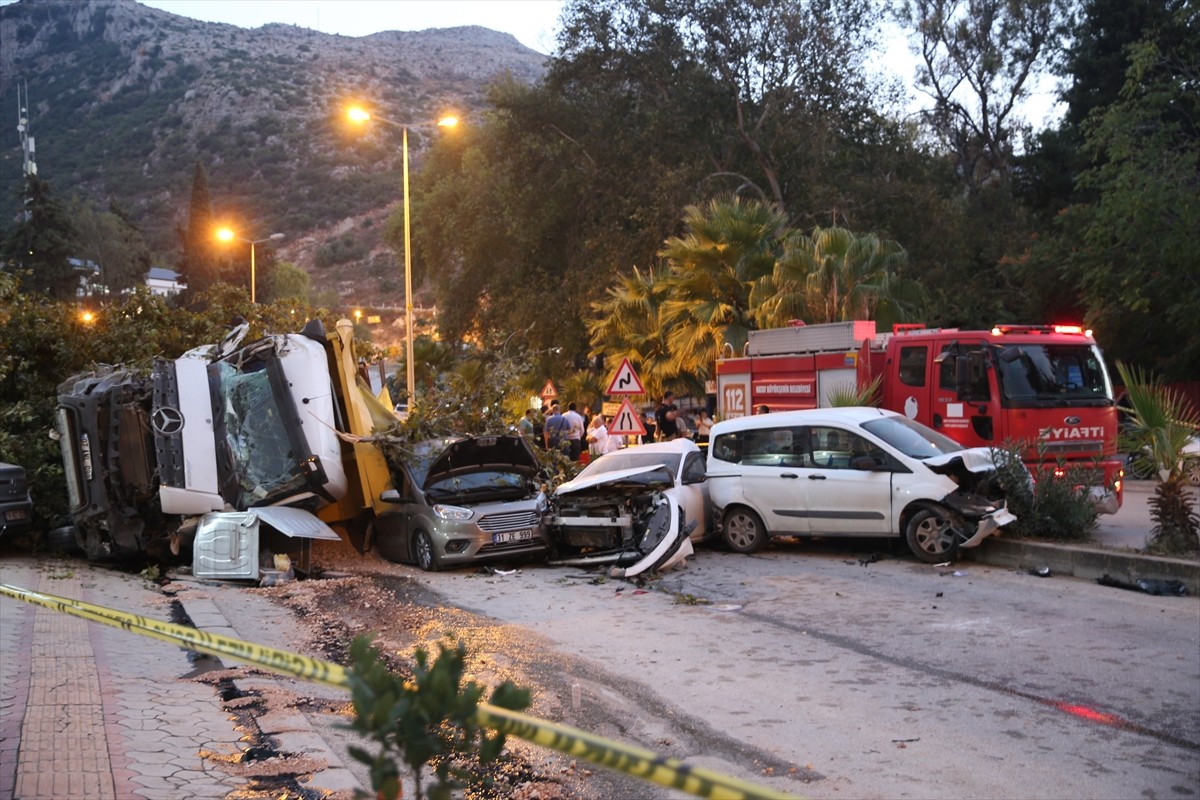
(743, 531)
(930, 536)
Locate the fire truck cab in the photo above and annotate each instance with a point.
(1042, 385)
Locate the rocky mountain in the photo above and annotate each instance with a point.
(124, 99)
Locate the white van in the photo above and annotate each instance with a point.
(850, 472)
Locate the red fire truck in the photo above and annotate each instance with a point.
(1042, 385)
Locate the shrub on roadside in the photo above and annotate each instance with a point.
(1050, 506)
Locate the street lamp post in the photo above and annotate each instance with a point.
(359, 115)
(226, 235)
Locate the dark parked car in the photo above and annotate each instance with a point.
(16, 505)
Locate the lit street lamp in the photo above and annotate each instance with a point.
(359, 115)
(226, 235)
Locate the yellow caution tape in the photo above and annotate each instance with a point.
(288, 663)
(635, 761)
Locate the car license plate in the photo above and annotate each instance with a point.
(511, 536)
(16, 514)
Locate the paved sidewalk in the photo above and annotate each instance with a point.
(91, 711)
(97, 712)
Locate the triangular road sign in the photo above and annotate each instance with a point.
(626, 422)
(548, 391)
(625, 381)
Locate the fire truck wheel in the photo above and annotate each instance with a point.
(423, 552)
(743, 531)
(931, 537)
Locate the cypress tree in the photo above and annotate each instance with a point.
(199, 264)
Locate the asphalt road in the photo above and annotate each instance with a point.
(883, 679)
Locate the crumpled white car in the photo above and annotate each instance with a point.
(637, 509)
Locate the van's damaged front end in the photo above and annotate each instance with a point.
(979, 501)
(624, 519)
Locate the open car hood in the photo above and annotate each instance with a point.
(476, 453)
(605, 479)
(974, 459)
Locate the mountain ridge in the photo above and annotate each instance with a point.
(124, 99)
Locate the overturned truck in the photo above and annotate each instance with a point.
(156, 457)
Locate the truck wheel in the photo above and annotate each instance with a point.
(64, 540)
(930, 536)
(743, 531)
(423, 552)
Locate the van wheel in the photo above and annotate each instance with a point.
(743, 531)
(931, 537)
(423, 552)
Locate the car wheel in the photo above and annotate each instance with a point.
(423, 552)
(931, 537)
(743, 531)
(1140, 470)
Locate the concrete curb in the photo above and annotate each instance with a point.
(1085, 562)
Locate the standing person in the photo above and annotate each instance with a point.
(525, 425)
(648, 436)
(555, 432)
(600, 441)
(539, 426)
(575, 430)
(704, 424)
(762, 409)
(664, 418)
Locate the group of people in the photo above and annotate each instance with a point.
(668, 422)
(571, 432)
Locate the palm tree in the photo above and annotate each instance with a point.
(627, 324)
(1160, 423)
(835, 275)
(726, 258)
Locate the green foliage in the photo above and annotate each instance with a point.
(1159, 424)
(739, 267)
(1047, 505)
(341, 250)
(108, 240)
(428, 720)
(199, 264)
(471, 393)
(41, 245)
(849, 396)
(44, 342)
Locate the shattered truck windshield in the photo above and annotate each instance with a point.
(1031, 374)
(259, 435)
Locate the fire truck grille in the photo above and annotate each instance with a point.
(1081, 446)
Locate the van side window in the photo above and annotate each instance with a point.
(912, 365)
(835, 448)
(728, 447)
